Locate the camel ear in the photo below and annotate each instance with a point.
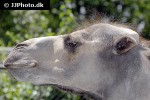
(123, 45)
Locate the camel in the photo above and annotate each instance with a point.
(105, 61)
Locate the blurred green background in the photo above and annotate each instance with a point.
(17, 26)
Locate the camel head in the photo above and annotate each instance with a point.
(92, 60)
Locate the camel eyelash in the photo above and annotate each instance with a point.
(71, 45)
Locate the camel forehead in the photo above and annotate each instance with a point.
(109, 29)
(104, 30)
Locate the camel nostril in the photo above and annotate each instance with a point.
(21, 45)
(18, 45)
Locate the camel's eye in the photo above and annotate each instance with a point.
(71, 44)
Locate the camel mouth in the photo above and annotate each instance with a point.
(20, 63)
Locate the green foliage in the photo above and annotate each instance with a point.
(124, 11)
(10, 89)
(17, 26)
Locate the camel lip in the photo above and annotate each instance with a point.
(20, 64)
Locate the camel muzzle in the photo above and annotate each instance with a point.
(16, 58)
